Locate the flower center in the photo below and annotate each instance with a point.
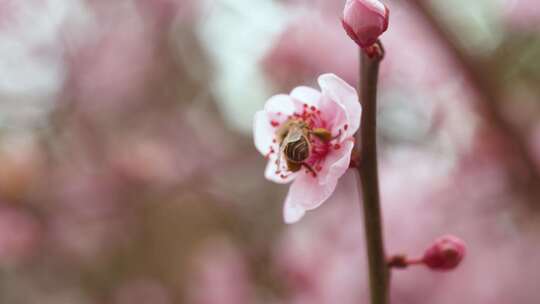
(321, 140)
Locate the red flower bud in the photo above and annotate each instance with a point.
(445, 253)
(365, 20)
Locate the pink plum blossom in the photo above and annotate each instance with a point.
(336, 110)
(365, 20)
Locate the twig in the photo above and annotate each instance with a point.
(367, 137)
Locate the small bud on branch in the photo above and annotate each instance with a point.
(364, 21)
(446, 253)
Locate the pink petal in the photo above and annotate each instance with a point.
(344, 95)
(345, 190)
(334, 115)
(307, 193)
(336, 163)
(280, 176)
(263, 132)
(305, 95)
(292, 213)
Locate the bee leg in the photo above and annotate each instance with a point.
(322, 134)
(310, 169)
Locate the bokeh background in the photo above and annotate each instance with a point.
(128, 172)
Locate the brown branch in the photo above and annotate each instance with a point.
(367, 137)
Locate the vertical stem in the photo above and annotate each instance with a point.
(367, 137)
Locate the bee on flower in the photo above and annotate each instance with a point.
(307, 137)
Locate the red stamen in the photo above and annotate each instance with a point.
(274, 123)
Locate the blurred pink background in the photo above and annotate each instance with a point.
(128, 172)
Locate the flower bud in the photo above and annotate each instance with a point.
(365, 20)
(445, 253)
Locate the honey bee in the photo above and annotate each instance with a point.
(295, 144)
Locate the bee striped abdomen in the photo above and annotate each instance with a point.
(297, 151)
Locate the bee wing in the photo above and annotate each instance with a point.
(292, 136)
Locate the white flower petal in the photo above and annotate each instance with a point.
(281, 104)
(263, 132)
(292, 213)
(280, 176)
(306, 95)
